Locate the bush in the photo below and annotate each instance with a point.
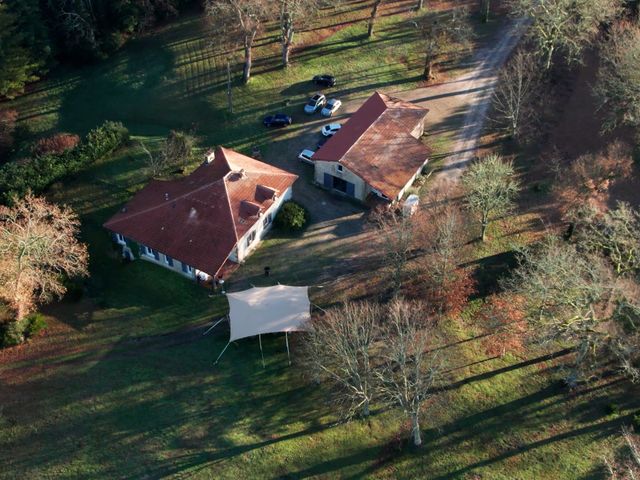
(12, 333)
(34, 324)
(636, 421)
(15, 332)
(291, 217)
(56, 144)
(17, 178)
(612, 409)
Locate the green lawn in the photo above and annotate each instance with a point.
(123, 384)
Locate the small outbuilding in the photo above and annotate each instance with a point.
(377, 152)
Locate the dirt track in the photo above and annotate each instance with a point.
(469, 95)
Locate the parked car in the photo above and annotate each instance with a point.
(331, 129)
(325, 80)
(306, 155)
(277, 120)
(314, 103)
(331, 107)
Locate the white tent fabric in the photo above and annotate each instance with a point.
(268, 310)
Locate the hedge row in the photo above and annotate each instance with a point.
(36, 174)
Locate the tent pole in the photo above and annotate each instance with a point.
(213, 326)
(286, 339)
(261, 353)
(223, 350)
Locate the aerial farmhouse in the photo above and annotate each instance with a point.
(196, 224)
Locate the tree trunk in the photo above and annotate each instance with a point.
(428, 68)
(415, 430)
(486, 6)
(365, 409)
(420, 5)
(229, 90)
(287, 40)
(485, 225)
(549, 58)
(286, 50)
(372, 18)
(248, 60)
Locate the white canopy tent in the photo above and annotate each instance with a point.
(259, 310)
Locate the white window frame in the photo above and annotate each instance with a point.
(187, 268)
(339, 168)
(120, 239)
(168, 260)
(267, 220)
(251, 237)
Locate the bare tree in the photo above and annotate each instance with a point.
(614, 234)
(573, 297)
(516, 94)
(175, 152)
(617, 89)
(397, 238)
(409, 367)
(291, 14)
(238, 22)
(38, 245)
(564, 26)
(627, 468)
(590, 177)
(440, 33)
(178, 148)
(339, 349)
(443, 236)
(490, 189)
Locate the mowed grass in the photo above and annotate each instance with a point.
(123, 384)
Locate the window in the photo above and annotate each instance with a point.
(168, 260)
(150, 252)
(267, 220)
(251, 237)
(339, 167)
(186, 268)
(120, 239)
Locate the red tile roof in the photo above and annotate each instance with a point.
(199, 219)
(376, 143)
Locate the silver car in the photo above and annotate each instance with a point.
(314, 103)
(306, 156)
(331, 107)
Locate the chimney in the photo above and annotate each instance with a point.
(166, 196)
(210, 156)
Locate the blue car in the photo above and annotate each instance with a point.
(277, 120)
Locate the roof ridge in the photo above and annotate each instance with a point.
(369, 126)
(230, 211)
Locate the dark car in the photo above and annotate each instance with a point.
(277, 120)
(325, 80)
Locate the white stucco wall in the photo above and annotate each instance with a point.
(410, 182)
(242, 250)
(321, 167)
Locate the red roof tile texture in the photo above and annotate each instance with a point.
(377, 143)
(199, 219)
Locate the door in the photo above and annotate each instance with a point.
(328, 180)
